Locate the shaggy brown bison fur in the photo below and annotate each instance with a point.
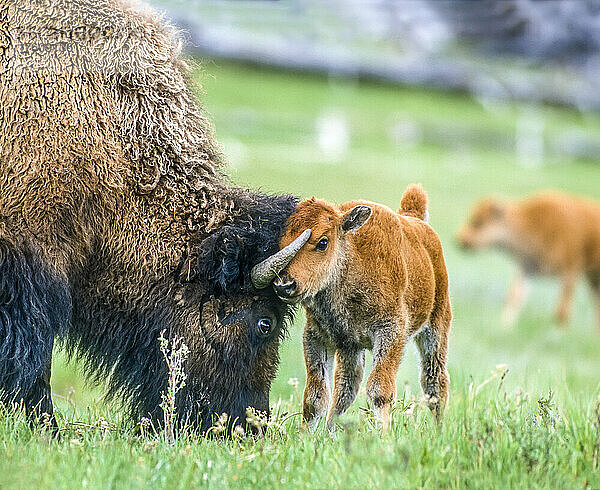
(115, 220)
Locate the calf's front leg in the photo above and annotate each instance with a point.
(517, 294)
(348, 374)
(319, 360)
(388, 345)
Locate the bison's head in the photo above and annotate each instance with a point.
(242, 321)
(234, 357)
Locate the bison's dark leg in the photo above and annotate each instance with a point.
(34, 307)
(38, 401)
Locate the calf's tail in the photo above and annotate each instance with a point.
(414, 202)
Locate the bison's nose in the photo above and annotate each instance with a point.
(285, 289)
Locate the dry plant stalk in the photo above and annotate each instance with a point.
(175, 353)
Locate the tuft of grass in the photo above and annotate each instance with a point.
(491, 438)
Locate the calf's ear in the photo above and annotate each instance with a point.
(498, 209)
(355, 218)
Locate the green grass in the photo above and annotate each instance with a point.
(501, 434)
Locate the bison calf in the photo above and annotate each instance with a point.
(369, 278)
(549, 233)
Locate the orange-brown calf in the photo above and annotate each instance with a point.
(549, 233)
(369, 278)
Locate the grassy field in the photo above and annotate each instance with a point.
(524, 407)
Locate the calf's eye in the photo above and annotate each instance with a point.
(264, 327)
(322, 245)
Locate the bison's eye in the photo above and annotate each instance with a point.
(264, 327)
(322, 245)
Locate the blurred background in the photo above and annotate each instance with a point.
(357, 98)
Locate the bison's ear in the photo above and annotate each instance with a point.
(355, 218)
(219, 258)
(226, 257)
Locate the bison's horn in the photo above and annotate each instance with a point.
(262, 274)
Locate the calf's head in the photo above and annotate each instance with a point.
(324, 229)
(487, 225)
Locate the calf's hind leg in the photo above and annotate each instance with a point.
(432, 343)
(594, 280)
(569, 279)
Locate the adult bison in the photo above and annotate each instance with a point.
(116, 223)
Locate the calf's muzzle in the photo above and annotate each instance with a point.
(285, 289)
(263, 274)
